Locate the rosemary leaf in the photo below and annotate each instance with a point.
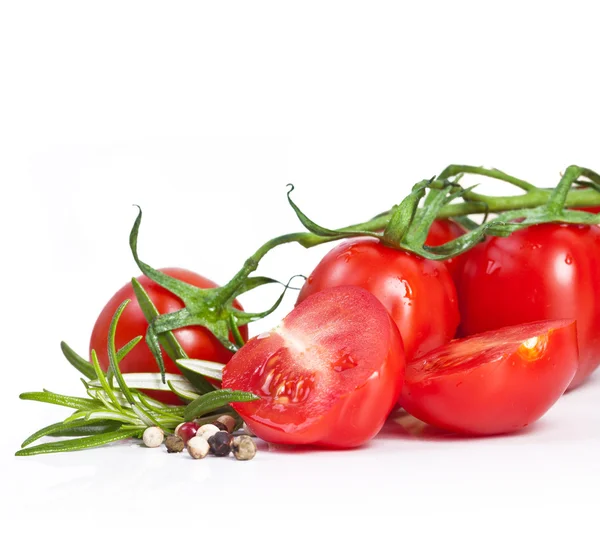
(79, 363)
(103, 382)
(205, 368)
(61, 400)
(214, 400)
(78, 443)
(184, 394)
(75, 428)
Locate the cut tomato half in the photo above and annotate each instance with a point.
(494, 382)
(328, 375)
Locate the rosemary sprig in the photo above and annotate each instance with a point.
(115, 409)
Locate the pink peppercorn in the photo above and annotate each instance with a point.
(186, 431)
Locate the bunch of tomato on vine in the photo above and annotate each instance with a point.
(475, 325)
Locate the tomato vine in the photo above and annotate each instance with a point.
(404, 226)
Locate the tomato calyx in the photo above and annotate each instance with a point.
(403, 227)
(212, 308)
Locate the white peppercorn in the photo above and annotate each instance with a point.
(206, 431)
(153, 437)
(198, 447)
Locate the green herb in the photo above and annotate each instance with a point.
(214, 400)
(117, 411)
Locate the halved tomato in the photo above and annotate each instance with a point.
(418, 293)
(328, 375)
(494, 382)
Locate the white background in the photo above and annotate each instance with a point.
(202, 113)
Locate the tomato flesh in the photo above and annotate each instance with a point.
(495, 382)
(328, 375)
(419, 294)
(196, 341)
(542, 272)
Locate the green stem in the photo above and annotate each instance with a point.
(476, 204)
(455, 170)
(575, 199)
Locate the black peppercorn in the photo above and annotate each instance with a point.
(220, 444)
(174, 443)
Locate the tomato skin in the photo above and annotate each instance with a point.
(196, 341)
(493, 383)
(593, 210)
(549, 271)
(444, 231)
(345, 404)
(419, 294)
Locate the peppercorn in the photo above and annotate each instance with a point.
(220, 444)
(174, 443)
(228, 421)
(197, 447)
(186, 430)
(153, 437)
(220, 426)
(243, 448)
(206, 431)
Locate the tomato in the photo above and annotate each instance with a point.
(196, 341)
(444, 231)
(549, 271)
(593, 210)
(328, 375)
(419, 294)
(494, 382)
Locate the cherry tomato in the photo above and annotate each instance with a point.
(328, 375)
(419, 294)
(550, 271)
(444, 231)
(494, 382)
(196, 341)
(593, 210)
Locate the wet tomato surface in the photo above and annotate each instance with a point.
(419, 294)
(328, 375)
(549, 271)
(495, 382)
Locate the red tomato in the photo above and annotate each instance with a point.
(328, 375)
(444, 231)
(196, 341)
(550, 271)
(494, 382)
(593, 210)
(418, 293)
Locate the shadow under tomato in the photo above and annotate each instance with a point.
(302, 449)
(590, 383)
(401, 425)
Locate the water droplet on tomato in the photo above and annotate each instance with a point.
(408, 291)
(492, 267)
(569, 259)
(348, 253)
(310, 279)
